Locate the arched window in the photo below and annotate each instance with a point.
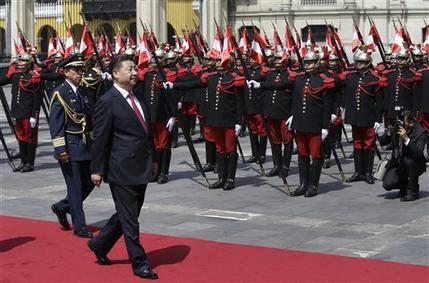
(45, 33)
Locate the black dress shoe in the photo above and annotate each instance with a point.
(299, 191)
(410, 197)
(62, 217)
(262, 159)
(229, 185)
(251, 159)
(82, 234)
(101, 259)
(19, 168)
(369, 179)
(354, 178)
(311, 192)
(145, 273)
(27, 168)
(217, 185)
(401, 194)
(273, 172)
(162, 179)
(208, 167)
(327, 164)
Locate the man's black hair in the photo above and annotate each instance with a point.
(116, 62)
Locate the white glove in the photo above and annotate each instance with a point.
(376, 126)
(249, 83)
(289, 122)
(106, 76)
(381, 130)
(255, 84)
(333, 117)
(343, 112)
(170, 124)
(179, 105)
(237, 129)
(168, 85)
(33, 122)
(324, 134)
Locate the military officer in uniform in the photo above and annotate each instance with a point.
(363, 103)
(311, 112)
(26, 102)
(71, 131)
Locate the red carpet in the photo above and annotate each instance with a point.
(38, 251)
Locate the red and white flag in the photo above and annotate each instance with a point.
(256, 48)
(217, 46)
(18, 47)
(398, 41)
(101, 47)
(355, 40)
(426, 42)
(86, 43)
(371, 40)
(70, 45)
(144, 52)
(60, 47)
(228, 47)
(277, 42)
(51, 48)
(244, 44)
(119, 44)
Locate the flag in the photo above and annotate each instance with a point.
(228, 47)
(310, 39)
(86, 43)
(51, 48)
(288, 47)
(244, 44)
(70, 45)
(372, 39)
(217, 45)
(398, 41)
(101, 47)
(186, 45)
(256, 48)
(60, 47)
(355, 40)
(18, 47)
(278, 45)
(426, 42)
(144, 52)
(119, 43)
(153, 40)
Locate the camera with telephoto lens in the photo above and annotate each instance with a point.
(399, 120)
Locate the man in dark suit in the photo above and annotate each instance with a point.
(122, 157)
(407, 162)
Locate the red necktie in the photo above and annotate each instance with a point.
(138, 113)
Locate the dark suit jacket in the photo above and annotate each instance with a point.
(122, 149)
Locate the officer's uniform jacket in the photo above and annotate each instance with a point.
(363, 97)
(422, 97)
(254, 98)
(312, 102)
(70, 122)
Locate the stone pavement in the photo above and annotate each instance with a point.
(357, 220)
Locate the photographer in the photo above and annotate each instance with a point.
(407, 163)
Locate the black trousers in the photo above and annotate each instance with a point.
(77, 175)
(404, 177)
(128, 203)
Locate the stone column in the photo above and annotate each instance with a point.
(213, 9)
(153, 12)
(21, 12)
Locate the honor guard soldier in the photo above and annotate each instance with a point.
(162, 109)
(253, 103)
(277, 109)
(53, 68)
(363, 103)
(71, 131)
(401, 85)
(423, 104)
(224, 117)
(26, 102)
(418, 54)
(93, 82)
(311, 113)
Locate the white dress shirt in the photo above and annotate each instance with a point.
(125, 94)
(74, 88)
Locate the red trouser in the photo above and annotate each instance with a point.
(363, 138)
(256, 124)
(278, 131)
(24, 132)
(161, 135)
(224, 139)
(309, 144)
(189, 109)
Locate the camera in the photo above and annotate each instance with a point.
(399, 120)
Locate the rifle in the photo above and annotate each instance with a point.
(185, 130)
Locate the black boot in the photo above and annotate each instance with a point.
(368, 163)
(276, 150)
(357, 176)
(221, 160)
(287, 156)
(304, 175)
(254, 144)
(23, 155)
(165, 166)
(210, 156)
(263, 148)
(412, 194)
(156, 159)
(316, 170)
(231, 168)
(31, 156)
